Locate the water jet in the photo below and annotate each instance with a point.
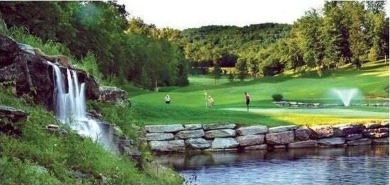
(346, 95)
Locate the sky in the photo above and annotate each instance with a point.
(182, 14)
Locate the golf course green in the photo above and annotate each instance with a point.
(188, 104)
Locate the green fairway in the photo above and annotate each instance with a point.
(188, 104)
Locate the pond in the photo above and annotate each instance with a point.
(352, 165)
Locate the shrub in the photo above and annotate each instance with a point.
(89, 63)
(277, 97)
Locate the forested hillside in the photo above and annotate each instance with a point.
(339, 34)
(129, 50)
(225, 43)
(102, 30)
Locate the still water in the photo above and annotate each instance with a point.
(345, 166)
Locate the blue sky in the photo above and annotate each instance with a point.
(181, 14)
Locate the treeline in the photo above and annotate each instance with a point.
(338, 34)
(125, 50)
(223, 45)
(341, 33)
(129, 50)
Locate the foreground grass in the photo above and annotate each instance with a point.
(38, 157)
(188, 104)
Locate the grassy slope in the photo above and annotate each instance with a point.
(38, 157)
(188, 105)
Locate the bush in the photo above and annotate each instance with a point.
(89, 63)
(277, 97)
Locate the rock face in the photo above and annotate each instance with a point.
(376, 133)
(197, 143)
(345, 130)
(193, 126)
(220, 133)
(112, 94)
(250, 140)
(128, 148)
(33, 76)
(224, 138)
(282, 128)
(186, 134)
(303, 144)
(252, 130)
(219, 126)
(11, 120)
(353, 137)
(302, 134)
(318, 132)
(164, 128)
(280, 137)
(167, 146)
(372, 125)
(224, 143)
(158, 136)
(334, 141)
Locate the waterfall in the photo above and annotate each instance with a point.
(70, 108)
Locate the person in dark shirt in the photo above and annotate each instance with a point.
(247, 100)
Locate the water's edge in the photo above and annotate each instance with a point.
(352, 165)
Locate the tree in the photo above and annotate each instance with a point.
(313, 42)
(373, 53)
(336, 32)
(242, 69)
(217, 72)
(254, 67)
(357, 26)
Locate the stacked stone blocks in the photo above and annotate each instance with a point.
(222, 137)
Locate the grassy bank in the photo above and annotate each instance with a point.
(38, 157)
(188, 104)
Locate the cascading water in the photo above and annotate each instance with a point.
(70, 109)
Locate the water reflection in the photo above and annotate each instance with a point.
(353, 165)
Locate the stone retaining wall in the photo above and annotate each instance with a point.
(221, 137)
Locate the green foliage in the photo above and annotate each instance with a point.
(373, 54)
(3, 27)
(324, 39)
(13, 169)
(39, 157)
(120, 115)
(98, 33)
(277, 97)
(217, 72)
(90, 65)
(242, 69)
(224, 43)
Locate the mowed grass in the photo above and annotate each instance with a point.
(188, 104)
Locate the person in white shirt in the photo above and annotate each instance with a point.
(210, 101)
(167, 99)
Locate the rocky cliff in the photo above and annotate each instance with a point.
(27, 74)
